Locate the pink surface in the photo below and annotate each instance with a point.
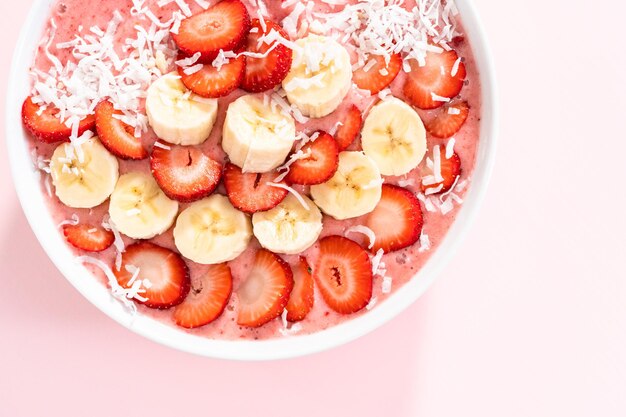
(528, 319)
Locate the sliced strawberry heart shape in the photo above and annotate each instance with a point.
(320, 164)
(47, 127)
(265, 292)
(343, 274)
(223, 26)
(165, 270)
(249, 192)
(397, 220)
(118, 137)
(184, 173)
(88, 237)
(302, 297)
(207, 298)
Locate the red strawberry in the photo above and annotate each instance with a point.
(263, 74)
(47, 127)
(397, 219)
(167, 272)
(378, 77)
(223, 26)
(343, 274)
(448, 120)
(265, 293)
(434, 78)
(207, 299)
(350, 128)
(450, 171)
(210, 82)
(115, 135)
(301, 299)
(249, 192)
(184, 173)
(88, 237)
(320, 166)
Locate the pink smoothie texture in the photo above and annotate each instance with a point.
(77, 16)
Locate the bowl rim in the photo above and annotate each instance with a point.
(33, 203)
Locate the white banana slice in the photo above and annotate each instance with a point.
(354, 190)
(394, 137)
(320, 76)
(83, 177)
(176, 114)
(138, 207)
(288, 228)
(212, 231)
(257, 137)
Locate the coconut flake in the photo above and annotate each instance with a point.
(365, 231)
(292, 191)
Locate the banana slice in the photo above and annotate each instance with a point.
(83, 177)
(320, 76)
(288, 228)
(178, 116)
(394, 137)
(138, 207)
(212, 231)
(354, 190)
(256, 136)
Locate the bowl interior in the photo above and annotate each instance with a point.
(33, 203)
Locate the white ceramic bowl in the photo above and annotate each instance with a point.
(33, 202)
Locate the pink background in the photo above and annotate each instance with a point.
(528, 319)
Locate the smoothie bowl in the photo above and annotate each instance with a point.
(251, 180)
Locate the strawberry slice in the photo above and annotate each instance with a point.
(166, 271)
(265, 73)
(211, 82)
(350, 129)
(320, 165)
(343, 273)
(118, 137)
(443, 76)
(88, 237)
(249, 192)
(397, 219)
(207, 298)
(223, 26)
(448, 120)
(184, 173)
(47, 127)
(265, 293)
(380, 75)
(450, 171)
(301, 299)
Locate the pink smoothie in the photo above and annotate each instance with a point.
(70, 15)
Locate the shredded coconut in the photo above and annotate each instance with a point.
(365, 231)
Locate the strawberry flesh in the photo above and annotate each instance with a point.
(167, 272)
(211, 82)
(448, 120)
(380, 75)
(397, 220)
(265, 73)
(343, 274)
(118, 137)
(435, 78)
(320, 165)
(450, 171)
(223, 26)
(350, 128)
(249, 192)
(185, 173)
(301, 299)
(265, 293)
(47, 127)
(207, 298)
(88, 237)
